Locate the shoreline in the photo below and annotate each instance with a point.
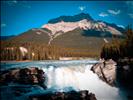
(66, 59)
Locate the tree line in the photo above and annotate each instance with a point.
(37, 51)
(119, 49)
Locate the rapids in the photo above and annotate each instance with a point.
(69, 75)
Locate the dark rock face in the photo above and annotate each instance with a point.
(125, 72)
(125, 76)
(23, 76)
(106, 71)
(72, 95)
(74, 18)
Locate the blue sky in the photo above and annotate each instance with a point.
(20, 16)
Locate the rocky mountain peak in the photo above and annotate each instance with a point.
(74, 18)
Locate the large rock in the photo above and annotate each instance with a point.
(125, 72)
(72, 95)
(106, 70)
(22, 76)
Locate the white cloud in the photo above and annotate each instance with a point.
(3, 25)
(114, 12)
(14, 1)
(121, 26)
(20, 3)
(131, 15)
(103, 14)
(82, 8)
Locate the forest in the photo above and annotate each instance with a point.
(119, 49)
(37, 51)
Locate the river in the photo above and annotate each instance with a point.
(69, 75)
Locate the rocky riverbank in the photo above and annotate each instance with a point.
(111, 71)
(119, 74)
(125, 72)
(71, 95)
(23, 81)
(29, 76)
(106, 70)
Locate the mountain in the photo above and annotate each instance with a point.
(80, 33)
(6, 37)
(74, 18)
(32, 35)
(90, 26)
(76, 39)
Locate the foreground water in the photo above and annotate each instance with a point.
(69, 75)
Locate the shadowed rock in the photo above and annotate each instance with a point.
(71, 95)
(23, 76)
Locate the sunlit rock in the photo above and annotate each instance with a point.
(106, 70)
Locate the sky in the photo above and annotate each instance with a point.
(20, 16)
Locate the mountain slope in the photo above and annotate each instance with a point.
(6, 37)
(33, 35)
(75, 39)
(79, 34)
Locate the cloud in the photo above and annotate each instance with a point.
(20, 3)
(110, 11)
(15, 1)
(103, 14)
(82, 8)
(114, 12)
(10, 3)
(121, 26)
(3, 25)
(131, 15)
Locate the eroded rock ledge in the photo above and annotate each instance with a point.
(29, 76)
(72, 95)
(106, 70)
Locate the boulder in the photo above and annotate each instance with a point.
(106, 70)
(125, 72)
(23, 76)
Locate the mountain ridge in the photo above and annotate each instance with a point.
(73, 18)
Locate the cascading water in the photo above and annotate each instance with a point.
(81, 78)
(68, 75)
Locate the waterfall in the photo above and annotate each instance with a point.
(80, 78)
(69, 75)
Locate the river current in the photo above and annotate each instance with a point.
(70, 75)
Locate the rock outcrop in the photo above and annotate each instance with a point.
(22, 76)
(72, 95)
(106, 70)
(125, 72)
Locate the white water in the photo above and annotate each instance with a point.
(81, 78)
(66, 75)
